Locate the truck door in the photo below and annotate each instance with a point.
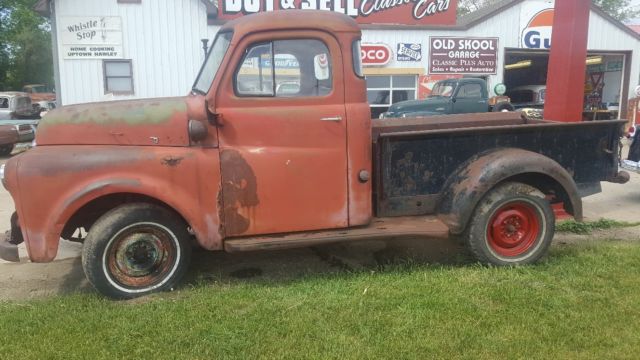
(283, 135)
(469, 99)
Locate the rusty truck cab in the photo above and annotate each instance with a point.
(293, 134)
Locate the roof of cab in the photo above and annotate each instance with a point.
(293, 19)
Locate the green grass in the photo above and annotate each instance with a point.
(586, 227)
(581, 302)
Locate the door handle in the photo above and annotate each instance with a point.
(331, 118)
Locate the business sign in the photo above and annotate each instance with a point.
(536, 23)
(409, 12)
(375, 54)
(91, 37)
(463, 55)
(409, 52)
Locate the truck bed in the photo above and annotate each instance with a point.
(414, 157)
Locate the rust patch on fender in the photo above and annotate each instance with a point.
(172, 161)
(239, 190)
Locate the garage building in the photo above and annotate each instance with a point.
(120, 49)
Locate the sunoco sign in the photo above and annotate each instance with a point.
(456, 55)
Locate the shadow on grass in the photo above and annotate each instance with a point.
(290, 265)
(287, 266)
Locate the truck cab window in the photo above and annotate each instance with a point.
(4, 103)
(470, 91)
(286, 68)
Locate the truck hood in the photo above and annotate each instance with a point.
(36, 97)
(435, 105)
(159, 122)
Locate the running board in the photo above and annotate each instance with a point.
(379, 228)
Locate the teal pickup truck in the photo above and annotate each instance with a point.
(452, 96)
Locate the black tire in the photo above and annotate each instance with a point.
(136, 249)
(512, 225)
(503, 107)
(6, 150)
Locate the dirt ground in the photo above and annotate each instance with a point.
(25, 280)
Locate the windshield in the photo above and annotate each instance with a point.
(444, 89)
(39, 89)
(212, 63)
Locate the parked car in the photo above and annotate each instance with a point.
(16, 110)
(8, 139)
(41, 97)
(452, 96)
(237, 169)
(529, 96)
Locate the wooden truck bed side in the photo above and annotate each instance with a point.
(415, 159)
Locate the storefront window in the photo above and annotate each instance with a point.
(384, 90)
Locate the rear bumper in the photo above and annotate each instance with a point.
(10, 241)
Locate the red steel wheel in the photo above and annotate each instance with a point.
(512, 225)
(513, 229)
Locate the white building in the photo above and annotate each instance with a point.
(116, 49)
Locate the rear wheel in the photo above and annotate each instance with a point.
(512, 225)
(136, 249)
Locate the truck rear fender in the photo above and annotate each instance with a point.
(473, 179)
(101, 193)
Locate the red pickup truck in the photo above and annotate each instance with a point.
(274, 148)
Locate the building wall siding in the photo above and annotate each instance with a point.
(162, 37)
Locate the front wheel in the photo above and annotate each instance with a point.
(503, 107)
(136, 249)
(6, 150)
(512, 225)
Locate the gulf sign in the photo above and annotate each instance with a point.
(537, 32)
(375, 54)
(409, 12)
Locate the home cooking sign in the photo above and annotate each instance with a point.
(410, 12)
(463, 55)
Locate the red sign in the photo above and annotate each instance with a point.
(463, 55)
(409, 12)
(426, 83)
(375, 54)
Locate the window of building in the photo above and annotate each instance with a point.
(118, 77)
(384, 90)
(286, 68)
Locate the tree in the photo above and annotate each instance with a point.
(25, 46)
(619, 9)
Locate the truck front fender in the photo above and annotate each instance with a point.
(472, 180)
(205, 226)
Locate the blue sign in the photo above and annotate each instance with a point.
(409, 52)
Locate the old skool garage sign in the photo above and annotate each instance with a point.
(411, 12)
